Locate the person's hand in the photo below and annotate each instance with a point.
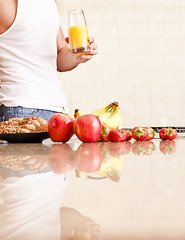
(93, 51)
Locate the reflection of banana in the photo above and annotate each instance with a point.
(111, 168)
(80, 173)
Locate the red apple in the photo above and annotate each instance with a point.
(61, 158)
(88, 157)
(88, 128)
(60, 127)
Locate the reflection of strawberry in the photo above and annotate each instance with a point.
(126, 147)
(139, 133)
(167, 147)
(115, 148)
(139, 148)
(150, 133)
(143, 148)
(150, 147)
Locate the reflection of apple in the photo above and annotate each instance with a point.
(88, 128)
(143, 148)
(60, 127)
(167, 147)
(88, 157)
(61, 158)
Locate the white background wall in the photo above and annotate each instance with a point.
(141, 60)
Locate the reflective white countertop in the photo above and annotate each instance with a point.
(108, 191)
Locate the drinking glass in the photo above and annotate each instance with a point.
(78, 32)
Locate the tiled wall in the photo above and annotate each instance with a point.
(141, 60)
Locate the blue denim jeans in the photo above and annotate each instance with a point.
(10, 112)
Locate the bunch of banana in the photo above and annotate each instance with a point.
(109, 116)
(78, 113)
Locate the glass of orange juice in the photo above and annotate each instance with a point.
(78, 32)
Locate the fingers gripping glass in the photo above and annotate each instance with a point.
(78, 32)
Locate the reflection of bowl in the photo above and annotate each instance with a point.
(18, 157)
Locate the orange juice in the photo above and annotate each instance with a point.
(78, 39)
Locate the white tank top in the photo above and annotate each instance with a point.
(28, 51)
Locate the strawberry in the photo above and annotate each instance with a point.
(168, 133)
(124, 134)
(103, 137)
(129, 134)
(104, 134)
(139, 133)
(162, 134)
(171, 133)
(150, 133)
(114, 135)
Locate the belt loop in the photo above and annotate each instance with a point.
(20, 111)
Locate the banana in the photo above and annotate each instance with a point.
(78, 112)
(109, 116)
(114, 120)
(106, 111)
(101, 111)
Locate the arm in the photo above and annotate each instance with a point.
(7, 14)
(67, 62)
